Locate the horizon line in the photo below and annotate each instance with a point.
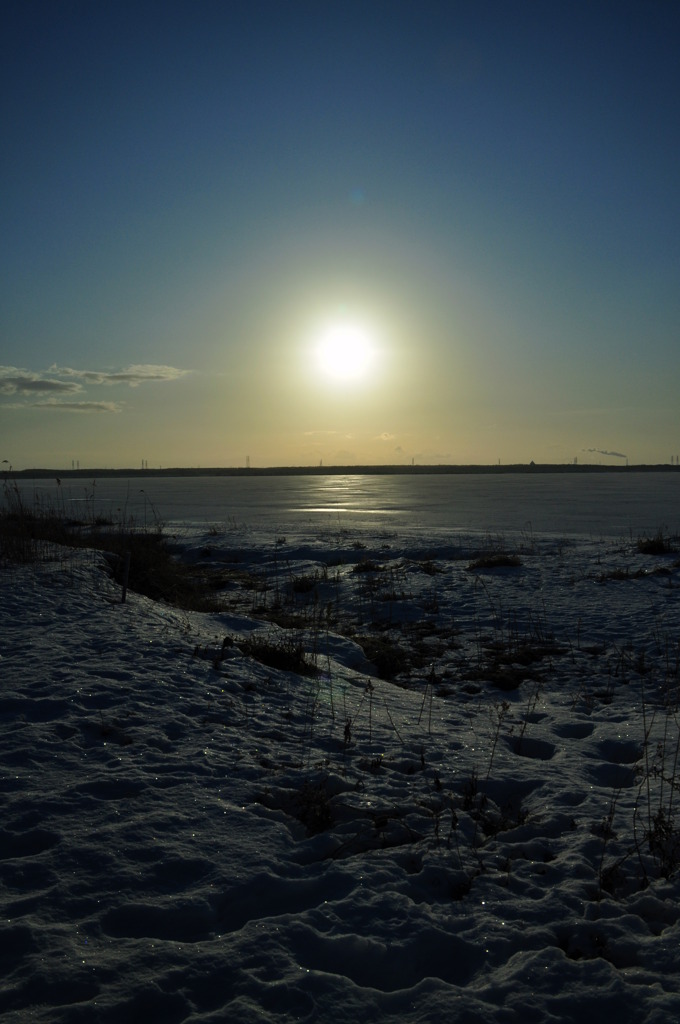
(367, 469)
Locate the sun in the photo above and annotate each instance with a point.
(345, 352)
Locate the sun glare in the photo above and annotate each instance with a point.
(345, 352)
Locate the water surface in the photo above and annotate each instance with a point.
(594, 504)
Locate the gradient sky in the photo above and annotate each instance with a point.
(193, 192)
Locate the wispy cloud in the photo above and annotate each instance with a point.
(133, 375)
(385, 436)
(65, 381)
(327, 433)
(23, 382)
(433, 457)
(53, 403)
(601, 451)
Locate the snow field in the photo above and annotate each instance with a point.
(459, 804)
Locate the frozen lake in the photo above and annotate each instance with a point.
(588, 504)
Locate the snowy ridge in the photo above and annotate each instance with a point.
(459, 805)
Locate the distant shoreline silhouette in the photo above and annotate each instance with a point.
(364, 470)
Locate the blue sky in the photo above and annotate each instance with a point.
(194, 192)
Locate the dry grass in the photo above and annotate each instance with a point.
(41, 532)
(656, 545)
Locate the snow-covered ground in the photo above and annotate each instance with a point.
(457, 804)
